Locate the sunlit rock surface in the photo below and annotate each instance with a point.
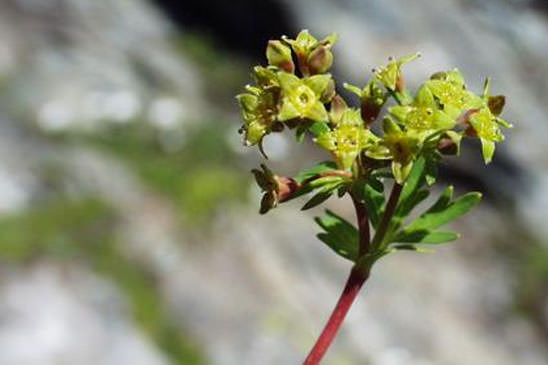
(73, 63)
(65, 315)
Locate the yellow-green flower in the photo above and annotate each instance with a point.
(372, 99)
(423, 114)
(388, 75)
(266, 77)
(400, 146)
(303, 44)
(259, 112)
(450, 90)
(314, 56)
(348, 138)
(486, 122)
(480, 113)
(487, 129)
(302, 98)
(260, 105)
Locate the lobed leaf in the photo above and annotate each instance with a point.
(426, 236)
(442, 201)
(324, 192)
(374, 202)
(340, 235)
(441, 216)
(317, 199)
(411, 248)
(406, 206)
(414, 181)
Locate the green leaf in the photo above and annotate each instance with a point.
(405, 247)
(410, 196)
(315, 170)
(380, 174)
(442, 201)
(414, 180)
(317, 199)
(452, 211)
(324, 193)
(373, 196)
(431, 169)
(411, 248)
(319, 128)
(405, 207)
(300, 133)
(340, 235)
(403, 211)
(440, 237)
(426, 236)
(326, 180)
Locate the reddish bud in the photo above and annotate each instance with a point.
(320, 60)
(279, 55)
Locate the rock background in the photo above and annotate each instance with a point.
(119, 244)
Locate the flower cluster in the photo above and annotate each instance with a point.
(296, 91)
(417, 129)
(279, 97)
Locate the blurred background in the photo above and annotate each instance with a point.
(129, 231)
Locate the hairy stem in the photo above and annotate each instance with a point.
(350, 292)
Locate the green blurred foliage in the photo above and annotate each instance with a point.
(199, 175)
(82, 231)
(531, 283)
(192, 166)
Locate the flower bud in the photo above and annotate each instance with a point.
(372, 98)
(338, 106)
(277, 189)
(279, 55)
(400, 83)
(329, 92)
(286, 187)
(449, 143)
(320, 60)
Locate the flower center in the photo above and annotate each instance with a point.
(305, 96)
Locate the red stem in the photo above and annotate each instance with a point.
(350, 292)
(353, 285)
(357, 277)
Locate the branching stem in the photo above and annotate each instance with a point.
(357, 276)
(363, 225)
(387, 216)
